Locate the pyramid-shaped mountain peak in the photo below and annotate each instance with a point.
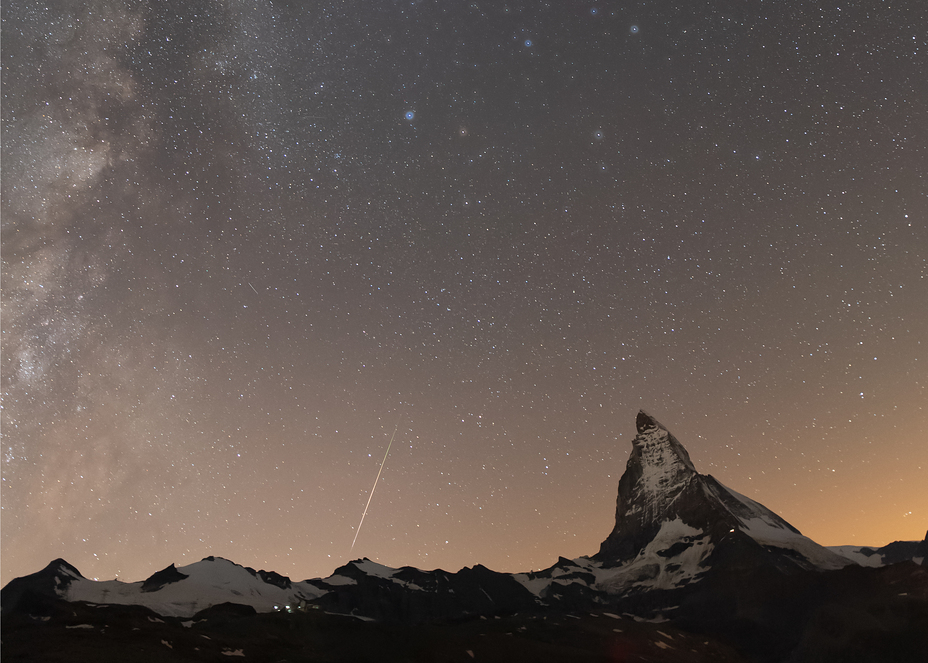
(645, 421)
(663, 462)
(661, 486)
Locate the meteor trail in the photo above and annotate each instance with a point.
(374, 487)
(253, 288)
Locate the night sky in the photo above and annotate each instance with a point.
(244, 242)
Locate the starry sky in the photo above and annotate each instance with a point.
(245, 243)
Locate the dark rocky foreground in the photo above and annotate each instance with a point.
(82, 632)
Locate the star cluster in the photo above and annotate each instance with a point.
(243, 243)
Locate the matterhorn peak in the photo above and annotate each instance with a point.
(645, 421)
(661, 491)
(658, 470)
(663, 461)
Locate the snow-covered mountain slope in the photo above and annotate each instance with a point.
(184, 591)
(664, 505)
(174, 592)
(860, 555)
(673, 558)
(361, 588)
(892, 553)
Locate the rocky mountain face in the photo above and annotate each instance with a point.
(686, 553)
(661, 491)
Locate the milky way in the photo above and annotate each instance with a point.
(241, 240)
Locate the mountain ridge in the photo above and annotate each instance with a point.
(685, 549)
(673, 527)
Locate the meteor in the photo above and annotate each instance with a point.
(374, 487)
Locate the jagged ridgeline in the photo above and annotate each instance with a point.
(665, 505)
(722, 575)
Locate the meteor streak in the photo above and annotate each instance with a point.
(374, 487)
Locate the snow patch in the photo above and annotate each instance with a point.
(376, 570)
(859, 555)
(539, 584)
(671, 559)
(339, 580)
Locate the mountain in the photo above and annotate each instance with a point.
(673, 521)
(690, 566)
(52, 582)
(891, 553)
(361, 587)
(186, 590)
(675, 527)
